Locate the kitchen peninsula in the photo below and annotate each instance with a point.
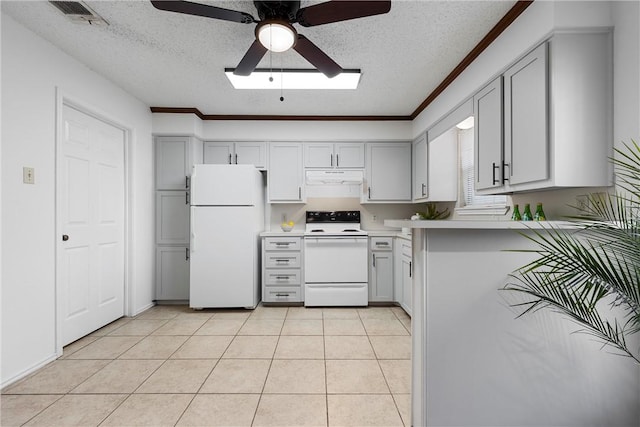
(474, 363)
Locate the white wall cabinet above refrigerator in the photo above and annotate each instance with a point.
(327, 155)
(236, 153)
(546, 122)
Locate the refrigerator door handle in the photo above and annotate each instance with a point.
(193, 235)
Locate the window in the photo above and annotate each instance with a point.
(468, 197)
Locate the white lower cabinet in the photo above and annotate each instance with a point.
(381, 269)
(282, 269)
(172, 273)
(404, 274)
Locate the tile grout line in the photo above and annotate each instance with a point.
(255, 412)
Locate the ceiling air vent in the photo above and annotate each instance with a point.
(79, 12)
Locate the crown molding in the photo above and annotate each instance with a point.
(486, 41)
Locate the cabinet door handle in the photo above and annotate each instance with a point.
(331, 156)
(186, 182)
(410, 275)
(495, 181)
(337, 160)
(236, 159)
(186, 254)
(374, 259)
(299, 193)
(504, 171)
(369, 192)
(186, 198)
(229, 158)
(424, 190)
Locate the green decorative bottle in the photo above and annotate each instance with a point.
(526, 215)
(516, 214)
(539, 215)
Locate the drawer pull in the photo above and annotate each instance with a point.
(282, 277)
(282, 295)
(283, 260)
(382, 243)
(283, 243)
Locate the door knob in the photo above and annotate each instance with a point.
(65, 237)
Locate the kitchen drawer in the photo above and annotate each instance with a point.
(281, 277)
(282, 259)
(282, 243)
(282, 294)
(381, 243)
(405, 249)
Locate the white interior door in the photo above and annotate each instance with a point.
(90, 240)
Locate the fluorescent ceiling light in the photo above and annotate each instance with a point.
(276, 36)
(466, 123)
(293, 79)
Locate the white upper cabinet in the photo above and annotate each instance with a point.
(420, 168)
(388, 172)
(218, 153)
(285, 178)
(346, 155)
(236, 153)
(175, 156)
(525, 119)
(435, 168)
(488, 136)
(552, 126)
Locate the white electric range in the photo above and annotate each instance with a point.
(335, 259)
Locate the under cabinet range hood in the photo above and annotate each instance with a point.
(334, 183)
(334, 177)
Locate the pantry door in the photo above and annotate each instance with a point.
(91, 224)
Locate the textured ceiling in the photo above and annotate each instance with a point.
(172, 60)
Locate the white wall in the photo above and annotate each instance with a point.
(32, 70)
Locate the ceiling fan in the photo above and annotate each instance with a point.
(275, 32)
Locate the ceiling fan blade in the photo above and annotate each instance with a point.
(207, 11)
(250, 59)
(339, 10)
(316, 57)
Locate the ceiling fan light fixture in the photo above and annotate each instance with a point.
(276, 36)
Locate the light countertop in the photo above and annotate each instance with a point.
(300, 233)
(477, 225)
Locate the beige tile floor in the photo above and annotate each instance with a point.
(273, 366)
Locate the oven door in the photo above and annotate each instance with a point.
(335, 259)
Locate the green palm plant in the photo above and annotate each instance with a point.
(591, 273)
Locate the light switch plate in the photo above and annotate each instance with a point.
(28, 175)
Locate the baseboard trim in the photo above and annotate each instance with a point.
(26, 372)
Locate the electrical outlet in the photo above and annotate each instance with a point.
(374, 218)
(28, 175)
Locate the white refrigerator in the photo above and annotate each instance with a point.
(227, 216)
